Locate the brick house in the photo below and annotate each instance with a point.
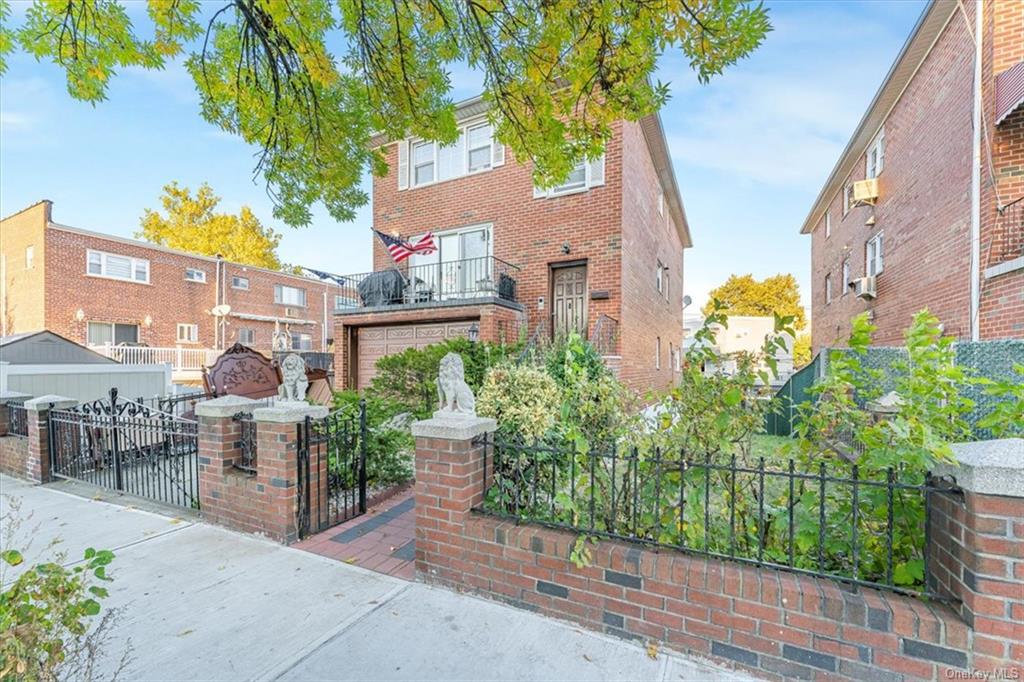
(601, 254)
(100, 289)
(939, 222)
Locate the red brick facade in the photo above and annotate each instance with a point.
(167, 299)
(777, 624)
(620, 230)
(924, 210)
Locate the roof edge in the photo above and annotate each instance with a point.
(930, 25)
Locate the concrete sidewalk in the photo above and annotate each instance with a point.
(202, 603)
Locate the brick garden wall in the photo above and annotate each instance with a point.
(776, 624)
(14, 456)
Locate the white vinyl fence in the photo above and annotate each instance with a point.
(86, 382)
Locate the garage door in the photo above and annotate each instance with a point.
(376, 342)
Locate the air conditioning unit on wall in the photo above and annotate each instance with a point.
(865, 191)
(864, 287)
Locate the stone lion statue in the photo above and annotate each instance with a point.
(453, 392)
(293, 378)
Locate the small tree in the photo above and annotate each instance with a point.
(192, 223)
(744, 295)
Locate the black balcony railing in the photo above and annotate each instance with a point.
(484, 277)
(1010, 234)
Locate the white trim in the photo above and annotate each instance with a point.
(590, 181)
(105, 256)
(192, 335)
(1005, 267)
(879, 259)
(496, 158)
(200, 280)
(974, 310)
(240, 277)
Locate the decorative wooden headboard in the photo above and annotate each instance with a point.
(242, 371)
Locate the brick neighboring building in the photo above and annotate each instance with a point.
(933, 237)
(94, 288)
(603, 254)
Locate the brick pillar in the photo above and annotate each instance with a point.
(267, 502)
(37, 413)
(977, 549)
(341, 353)
(450, 482)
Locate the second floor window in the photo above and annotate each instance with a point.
(188, 333)
(30, 257)
(102, 264)
(474, 150)
(659, 278)
(847, 199)
(583, 176)
(286, 295)
(846, 276)
(195, 275)
(873, 256)
(423, 162)
(828, 289)
(240, 282)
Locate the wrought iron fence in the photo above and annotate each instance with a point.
(331, 469)
(605, 335)
(1011, 227)
(127, 446)
(486, 276)
(17, 419)
(246, 443)
(832, 521)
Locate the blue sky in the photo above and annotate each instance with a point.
(751, 149)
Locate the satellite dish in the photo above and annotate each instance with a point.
(221, 310)
(687, 301)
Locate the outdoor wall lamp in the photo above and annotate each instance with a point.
(565, 248)
(79, 314)
(147, 322)
(474, 333)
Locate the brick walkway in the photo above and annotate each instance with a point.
(381, 540)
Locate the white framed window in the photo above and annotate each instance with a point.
(188, 333)
(345, 302)
(873, 257)
(240, 282)
(479, 140)
(475, 150)
(828, 224)
(847, 198)
(846, 277)
(424, 159)
(286, 295)
(659, 277)
(246, 336)
(301, 341)
(661, 203)
(195, 275)
(30, 257)
(828, 288)
(875, 157)
(112, 266)
(102, 333)
(657, 353)
(677, 360)
(584, 176)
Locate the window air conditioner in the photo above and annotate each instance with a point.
(865, 191)
(864, 287)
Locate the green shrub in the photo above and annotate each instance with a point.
(573, 351)
(407, 378)
(389, 451)
(48, 626)
(524, 399)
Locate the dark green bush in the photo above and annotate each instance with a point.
(388, 450)
(407, 378)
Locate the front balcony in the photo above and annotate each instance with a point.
(449, 283)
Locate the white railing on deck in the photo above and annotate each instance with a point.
(180, 358)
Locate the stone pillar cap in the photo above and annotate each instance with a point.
(43, 403)
(13, 397)
(989, 467)
(453, 426)
(224, 406)
(289, 412)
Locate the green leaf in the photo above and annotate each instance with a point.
(12, 557)
(733, 396)
(100, 592)
(91, 607)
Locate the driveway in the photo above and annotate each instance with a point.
(202, 603)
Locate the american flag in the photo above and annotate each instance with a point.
(400, 249)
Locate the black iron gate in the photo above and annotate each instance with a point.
(126, 446)
(332, 469)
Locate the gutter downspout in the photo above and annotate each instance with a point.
(975, 310)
